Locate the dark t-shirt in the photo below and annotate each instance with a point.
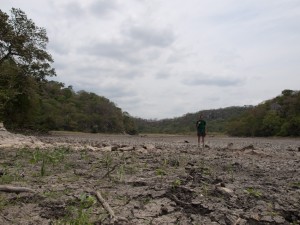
(201, 126)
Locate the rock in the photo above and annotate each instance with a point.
(107, 149)
(2, 128)
(248, 147)
(126, 149)
(148, 146)
(225, 191)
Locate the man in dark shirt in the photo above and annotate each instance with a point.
(201, 130)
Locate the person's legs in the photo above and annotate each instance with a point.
(198, 140)
(203, 141)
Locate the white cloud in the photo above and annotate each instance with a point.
(160, 59)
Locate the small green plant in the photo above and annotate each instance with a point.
(80, 215)
(251, 191)
(10, 175)
(205, 189)
(48, 157)
(121, 172)
(108, 160)
(295, 184)
(229, 170)
(3, 203)
(160, 172)
(176, 183)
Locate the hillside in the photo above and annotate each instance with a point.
(279, 116)
(217, 121)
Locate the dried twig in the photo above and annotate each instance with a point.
(7, 188)
(107, 207)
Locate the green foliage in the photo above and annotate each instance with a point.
(48, 157)
(253, 192)
(24, 62)
(276, 117)
(217, 120)
(80, 215)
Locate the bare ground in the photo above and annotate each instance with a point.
(151, 179)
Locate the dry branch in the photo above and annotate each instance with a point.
(7, 188)
(107, 207)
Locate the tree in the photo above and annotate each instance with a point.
(24, 63)
(24, 44)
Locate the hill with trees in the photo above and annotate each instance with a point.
(279, 116)
(217, 121)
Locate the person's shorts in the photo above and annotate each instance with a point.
(201, 133)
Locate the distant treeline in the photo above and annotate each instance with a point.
(279, 116)
(276, 117)
(217, 121)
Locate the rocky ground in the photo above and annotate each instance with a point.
(150, 179)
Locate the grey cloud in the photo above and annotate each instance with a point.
(113, 50)
(103, 7)
(162, 75)
(151, 37)
(125, 51)
(212, 81)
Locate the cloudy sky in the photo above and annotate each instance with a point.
(161, 59)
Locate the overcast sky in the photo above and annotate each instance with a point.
(164, 58)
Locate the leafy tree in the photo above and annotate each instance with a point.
(24, 44)
(24, 63)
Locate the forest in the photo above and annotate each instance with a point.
(279, 116)
(29, 101)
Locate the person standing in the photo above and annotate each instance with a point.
(201, 130)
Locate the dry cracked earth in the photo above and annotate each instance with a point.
(150, 179)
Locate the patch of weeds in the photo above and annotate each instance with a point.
(55, 194)
(131, 169)
(121, 172)
(176, 183)
(160, 172)
(108, 160)
(80, 215)
(10, 176)
(205, 189)
(145, 200)
(295, 185)
(23, 153)
(229, 170)
(253, 192)
(3, 203)
(174, 162)
(84, 155)
(48, 157)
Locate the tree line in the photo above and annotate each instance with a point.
(217, 121)
(279, 116)
(28, 101)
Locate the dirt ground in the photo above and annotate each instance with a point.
(148, 179)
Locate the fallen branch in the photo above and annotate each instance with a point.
(107, 207)
(7, 188)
